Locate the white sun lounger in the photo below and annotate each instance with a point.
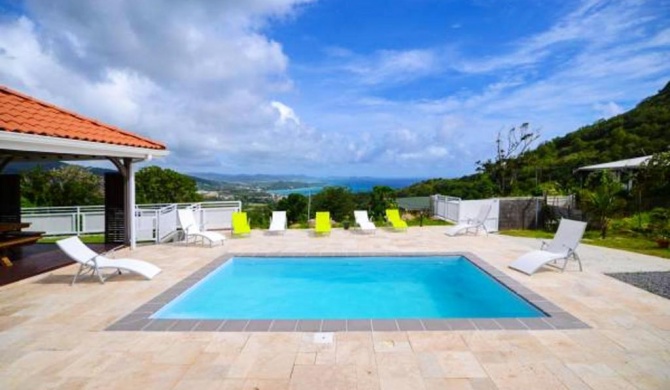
(562, 247)
(472, 224)
(363, 221)
(278, 222)
(192, 230)
(92, 262)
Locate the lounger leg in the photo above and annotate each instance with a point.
(102, 280)
(81, 267)
(576, 256)
(565, 263)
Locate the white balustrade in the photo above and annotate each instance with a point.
(153, 222)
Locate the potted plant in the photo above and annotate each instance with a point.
(346, 223)
(663, 242)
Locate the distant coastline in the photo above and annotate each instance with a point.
(354, 185)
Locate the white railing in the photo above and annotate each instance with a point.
(446, 207)
(153, 222)
(459, 211)
(145, 224)
(65, 220)
(216, 215)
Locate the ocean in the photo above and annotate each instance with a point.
(354, 185)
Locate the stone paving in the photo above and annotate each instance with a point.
(53, 335)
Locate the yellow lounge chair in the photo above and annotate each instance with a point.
(393, 216)
(322, 225)
(240, 223)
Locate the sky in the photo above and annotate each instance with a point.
(397, 88)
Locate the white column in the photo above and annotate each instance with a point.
(130, 204)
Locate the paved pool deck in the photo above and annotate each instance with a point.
(53, 335)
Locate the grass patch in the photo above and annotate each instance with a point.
(623, 241)
(86, 238)
(527, 233)
(427, 222)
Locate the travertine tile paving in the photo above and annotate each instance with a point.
(52, 335)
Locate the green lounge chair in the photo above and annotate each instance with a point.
(322, 225)
(240, 224)
(393, 217)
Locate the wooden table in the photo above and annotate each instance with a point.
(11, 236)
(6, 227)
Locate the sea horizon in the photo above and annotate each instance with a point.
(354, 184)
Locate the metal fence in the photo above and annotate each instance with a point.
(153, 222)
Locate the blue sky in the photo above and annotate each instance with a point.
(401, 88)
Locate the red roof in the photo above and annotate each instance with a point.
(20, 113)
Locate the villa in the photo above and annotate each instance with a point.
(595, 332)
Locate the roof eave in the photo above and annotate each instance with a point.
(66, 146)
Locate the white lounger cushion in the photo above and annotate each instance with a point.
(93, 262)
(562, 247)
(476, 223)
(362, 219)
(457, 229)
(192, 230)
(532, 261)
(278, 222)
(141, 267)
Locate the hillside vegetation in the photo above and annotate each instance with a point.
(644, 130)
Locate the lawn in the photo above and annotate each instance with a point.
(615, 240)
(86, 238)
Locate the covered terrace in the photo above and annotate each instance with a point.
(36, 131)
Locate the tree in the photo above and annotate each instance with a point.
(70, 185)
(259, 216)
(602, 201)
(382, 198)
(156, 185)
(654, 179)
(337, 200)
(510, 150)
(295, 206)
(35, 187)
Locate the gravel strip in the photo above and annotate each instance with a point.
(655, 282)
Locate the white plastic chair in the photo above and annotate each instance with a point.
(192, 230)
(92, 262)
(562, 247)
(278, 222)
(472, 224)
(363, 221)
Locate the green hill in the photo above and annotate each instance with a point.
(641, 131)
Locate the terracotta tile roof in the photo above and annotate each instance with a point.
(20, 113)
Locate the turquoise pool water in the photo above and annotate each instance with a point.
(347, 288)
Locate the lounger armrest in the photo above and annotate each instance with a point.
(93, 260)
(110, 253)
(544, 244)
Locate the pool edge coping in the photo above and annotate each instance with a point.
(140, 318)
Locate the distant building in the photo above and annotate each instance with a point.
(622, 169)
(208, 194)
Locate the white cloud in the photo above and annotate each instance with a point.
(392, 66)
(197, 76)
(206, 78)
(596, 22)
(286, 114)
(609, 109)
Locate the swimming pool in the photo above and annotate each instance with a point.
(145, 317)
(397, 287)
